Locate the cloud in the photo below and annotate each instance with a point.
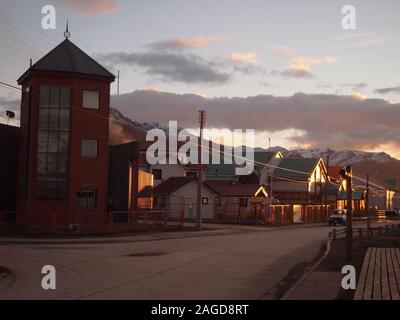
(189, 43)
(294, 73)
(299, 66)
(323, 86)
(90, 7)
(358, 96)
(363, 40)
(355, 86)
(325, 120)
(171, 66)
(244, 57)
(388, 90)
(245, 62)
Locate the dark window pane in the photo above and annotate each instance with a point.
(42, 141)
(43, 118)
(63, 142)
(44, 96)
(51, 188)
(41, 164)
(64, 100)
(51, 164)
(41, 187)
(53, 118)
(61, 188)
(53, 141)
(62, 165)
(64, 119)
(54, 97)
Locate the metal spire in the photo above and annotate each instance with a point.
(66, 33)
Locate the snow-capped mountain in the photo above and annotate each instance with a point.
(338, 157)
(123, 129)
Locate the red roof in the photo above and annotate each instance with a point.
(227, 188)
(172, 184)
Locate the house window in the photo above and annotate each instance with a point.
(89, 148)
(243, 202)
(204, 200)
(191, 174)
(52, 142)
(87, 199)
(157, 174)
(90, 99)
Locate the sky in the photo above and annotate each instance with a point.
(287, 69)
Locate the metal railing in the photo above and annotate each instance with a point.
(376, 230)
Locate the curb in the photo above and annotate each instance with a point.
(308, 272)
(109, 240)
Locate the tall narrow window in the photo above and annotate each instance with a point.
(52, 142)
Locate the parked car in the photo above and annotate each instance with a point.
(337, 216)
(392, 214)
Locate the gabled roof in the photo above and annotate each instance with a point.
(172, 184)
(297, 169)
(334, 172)
(263, 157)
(220, 172)
(225, 188)
(67, 57)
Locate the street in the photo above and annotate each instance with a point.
(243, 263)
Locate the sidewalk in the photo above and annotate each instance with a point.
(324, 281)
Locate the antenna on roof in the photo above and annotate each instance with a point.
(66, 33)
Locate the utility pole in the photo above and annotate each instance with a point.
(327, 180)
(202, 116)
(347, 174)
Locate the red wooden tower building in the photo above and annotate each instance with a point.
(63, 158)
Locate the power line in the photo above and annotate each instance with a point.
(213, 149)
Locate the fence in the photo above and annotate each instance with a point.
(360, 232)
(51, 222)
(146, 219)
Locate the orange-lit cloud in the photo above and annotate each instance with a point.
(244, 57)
(188, 43)
(90, 7)
(358, 96)
(299, 66)
(315, 120)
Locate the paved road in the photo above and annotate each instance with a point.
(242, 263)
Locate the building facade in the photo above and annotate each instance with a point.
(63, 156)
